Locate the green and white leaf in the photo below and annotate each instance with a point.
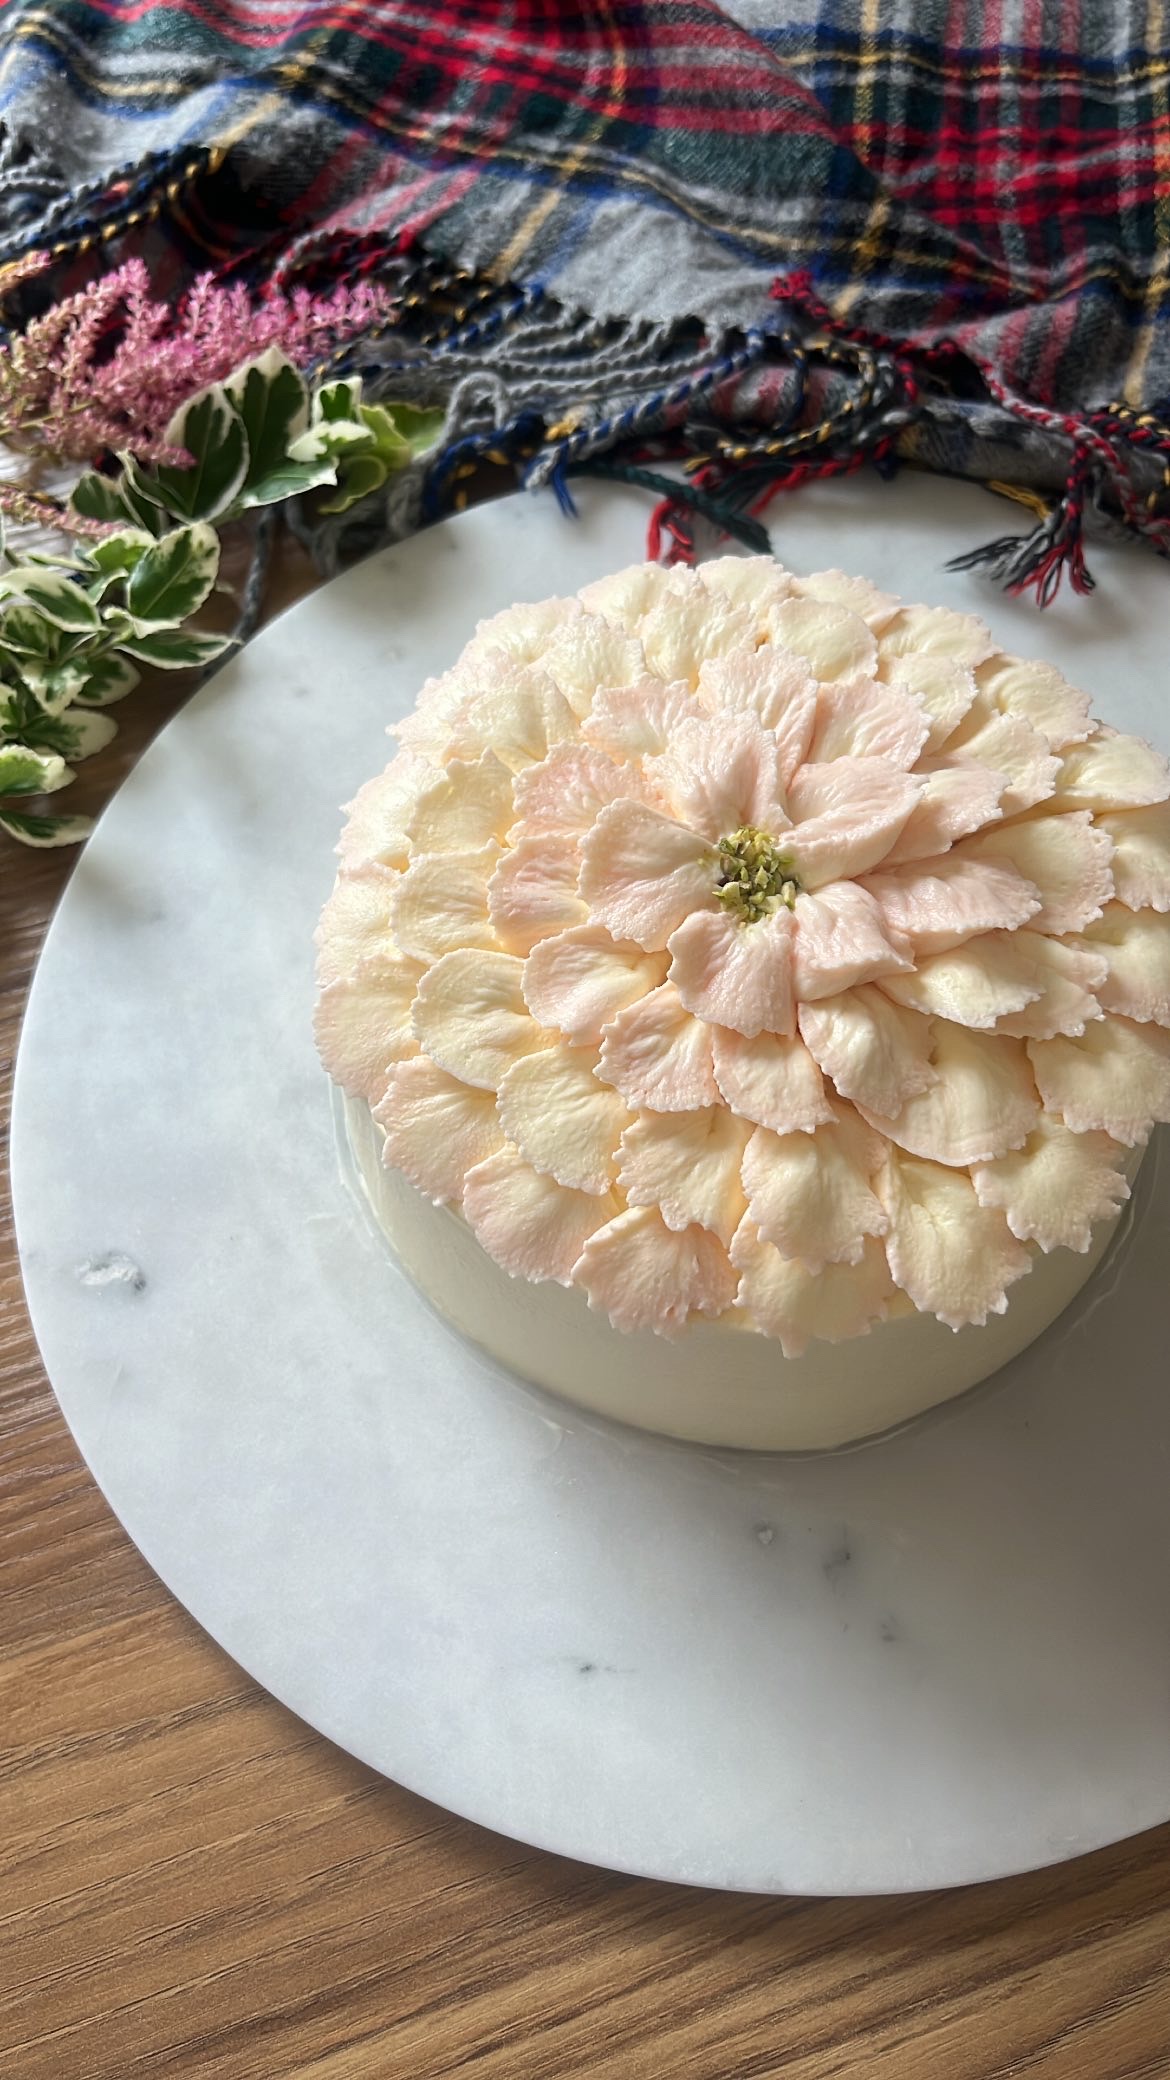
(288, 480)
(95, 497)
(270, 396)
(45, 831)
(338, 401)
(358, 475)
(84, 731)
(212, 431)
(25, 631)
(170, 649)
(54, 685)
(117, 553)
(171, 580)
(108, 679)
(61, 599)
(24, 771)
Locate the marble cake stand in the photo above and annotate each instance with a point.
(929, 1661)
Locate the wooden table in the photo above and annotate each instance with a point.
(193, 1883)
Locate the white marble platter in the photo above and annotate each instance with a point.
(933, 1660)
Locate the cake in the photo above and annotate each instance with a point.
(751, 998)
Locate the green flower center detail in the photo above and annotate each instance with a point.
(755, 879)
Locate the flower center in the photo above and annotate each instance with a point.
(754, 878)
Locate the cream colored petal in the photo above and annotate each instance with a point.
(1065, 858)
(1041, 694)
(626, 598)
(834, 643)
(1111, 771)
(471, 1018)
(588, 652)
(362, 1025)
(426, 731)
(954, 800)
(862, 718)
(680, 632)
(982, 1103)
(563, 795)
(533, 892)
(519, 719)
(687, 1164)
(718, 774)
(753, 582)
(645, 1276)
(873, 1052)
(1009, 746)
(642, 873)
(1136, 946)
(1115, 1077)
(842, 939)
(464, 806)
(1141, 855)
(579, 980)
(856, 595)
(797, 1306)
(633, 722)
(1069, 976)
(937, 632)
(735, 974)
(355, 924)
(531, 1225)
(976, 984)
(562, 1120)
(441, 903)
(810, 1193)
(379, 814)
(847, 815)
(657, 1055)
(436, 1128)
(954, 1257)
(943, 689)
(521, 633)
(1053, 1188)
(777, 689)
(771, 1081)
(940, 903)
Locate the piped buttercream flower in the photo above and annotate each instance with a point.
(731, 944)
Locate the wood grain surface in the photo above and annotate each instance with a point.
(193, 1883)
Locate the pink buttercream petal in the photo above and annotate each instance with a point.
(834, 643)
(355, 924)
(533, 892)
(1039, 693)
(380, 812)
(735, 974)
(441, 903)
(857, 595)
(777, 689)
(363, 1026)
(954, 1257)
(562, 1120)
(1141, 856)
(1009, 747)
(436, 1128)
(872, 1051)
(1136, 947)
(464, 806)
(1053, 1188)
(471, 1018)
(846, 817)
(943, 902)
(520, 720)
(982, 1103)
(657, 1055)
(1111, 771)
(719, 774)
(943, 689)
(642, 873)
(975, 984)
(1069, 976)
(864, 719)
(810, 1193)
(579, 980)
(531, 1225)
(797, 1306)
(954, 800)
(632, 722)
(1115, 1077)
(1066, 859)
(842, 938)
(643, 1275)
(564, 795)
(771, 1081)
(937, 632)
(687, 1164)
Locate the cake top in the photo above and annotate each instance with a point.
(740, 945)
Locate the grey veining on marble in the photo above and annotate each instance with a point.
(941, 1658)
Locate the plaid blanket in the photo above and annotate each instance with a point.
(773, 237)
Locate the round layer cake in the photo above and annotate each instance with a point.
(751, 996)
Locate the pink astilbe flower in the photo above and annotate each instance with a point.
(107, 367)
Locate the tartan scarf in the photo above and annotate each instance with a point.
(773, 238)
